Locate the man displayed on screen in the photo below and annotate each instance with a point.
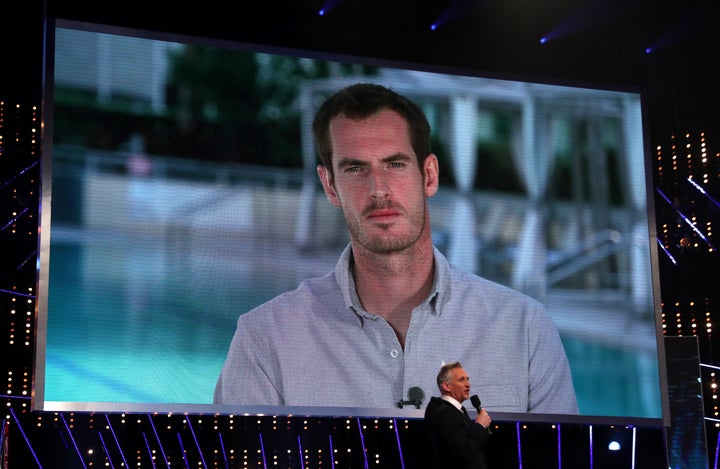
(393, 310)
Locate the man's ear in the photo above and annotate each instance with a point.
(328, 185)
(445, 387)
(431, 174)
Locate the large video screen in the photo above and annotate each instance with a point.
(180, 192)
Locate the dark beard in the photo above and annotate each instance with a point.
(381, 245)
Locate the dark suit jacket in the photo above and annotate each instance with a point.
(458, 441)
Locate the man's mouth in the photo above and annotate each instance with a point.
(382, 214)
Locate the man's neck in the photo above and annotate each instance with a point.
(392, 285)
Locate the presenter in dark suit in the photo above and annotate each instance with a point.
(457, 439)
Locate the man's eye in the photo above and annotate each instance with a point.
(397, 164)
(352, 169)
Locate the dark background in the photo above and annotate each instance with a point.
(605, 44)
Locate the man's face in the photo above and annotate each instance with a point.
(377, 182)
(459, 385)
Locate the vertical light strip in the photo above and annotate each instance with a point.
(150, 454)
(397, 437)
(520, 460)
(182, 451)
(332, 452)
(362, 443)
(559, 447)
(262, 451)
(162, 450)
(72, 438)
(22, 432)
(197, 444)
(102, 441)
(592, 465)
(117, 443)
(300, 453)
(4, 444)
(222, 448)
(634, 447)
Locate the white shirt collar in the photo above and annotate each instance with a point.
(452, 401)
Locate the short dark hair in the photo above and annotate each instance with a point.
(362, 100)
(444, 374)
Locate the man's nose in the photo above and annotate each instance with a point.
(378, 185)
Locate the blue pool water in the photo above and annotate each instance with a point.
(144, 325)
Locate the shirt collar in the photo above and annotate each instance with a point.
(346, 282)
(452, 401)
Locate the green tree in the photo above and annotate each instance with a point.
(242, 106)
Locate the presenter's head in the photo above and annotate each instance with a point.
(453, 381)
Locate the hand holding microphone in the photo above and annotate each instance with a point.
(483, 418)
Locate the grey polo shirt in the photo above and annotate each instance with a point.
(316, 346)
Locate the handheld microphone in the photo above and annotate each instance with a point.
(475, 401)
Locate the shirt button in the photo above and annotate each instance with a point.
(394, 353)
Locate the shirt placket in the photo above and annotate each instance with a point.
(414, 365)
